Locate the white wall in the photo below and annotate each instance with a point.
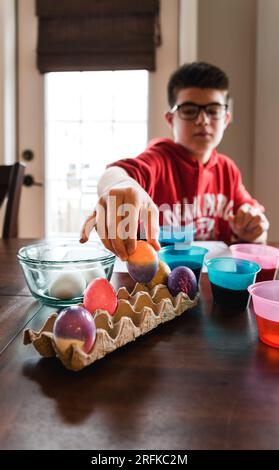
(227, 38)
(7, 82)
(166, 63)
(266, 168)
(31, 121)
(242, 37)
(188, 31)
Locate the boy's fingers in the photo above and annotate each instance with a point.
(114, 218)
(257, 231)
(101, 221)
(241, 218)
(263, 221)
(87, 227)
(253, 223)
(248, 217)
(153, 228)
(103, 234)
(149, 216)
(134, 211)
(156, 245)
(248, 223)
(106, 241)
(231, 221)
(238, 218)
(252, 235)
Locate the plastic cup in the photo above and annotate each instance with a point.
(183, 255)
(265, 297)
(229, 279)
(266, 256)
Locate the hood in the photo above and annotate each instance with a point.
(163, 146)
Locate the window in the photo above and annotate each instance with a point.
(91, 119)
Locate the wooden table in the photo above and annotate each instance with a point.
(201, 381)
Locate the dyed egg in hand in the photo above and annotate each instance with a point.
(142, 265)
(161, 276)
(74, 326)
(182, 279)
(100, 294)
(67, 286)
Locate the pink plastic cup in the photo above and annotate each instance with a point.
(265, 297)
(266, 256)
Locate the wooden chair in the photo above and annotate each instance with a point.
(11, 179)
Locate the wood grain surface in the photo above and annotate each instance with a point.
(201, 381)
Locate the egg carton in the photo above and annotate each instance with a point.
(136, 314)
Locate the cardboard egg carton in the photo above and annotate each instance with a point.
(136, 314)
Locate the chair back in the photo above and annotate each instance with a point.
(11, 179)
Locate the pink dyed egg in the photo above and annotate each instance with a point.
(100, 294)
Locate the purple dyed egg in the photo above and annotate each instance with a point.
(182, 279)
(142, 265)
(74, 325)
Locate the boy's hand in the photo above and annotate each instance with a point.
(116, 218)
(249, 224)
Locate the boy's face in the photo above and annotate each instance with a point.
(203, 133)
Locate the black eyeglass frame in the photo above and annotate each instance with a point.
(199, 107)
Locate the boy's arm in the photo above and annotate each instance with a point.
(115, 176)
(249, 224)
(118, 193)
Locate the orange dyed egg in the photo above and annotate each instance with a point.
(143, 263)
(161, 277)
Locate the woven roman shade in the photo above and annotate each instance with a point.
(97, 34)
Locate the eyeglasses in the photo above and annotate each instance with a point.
(190, 111)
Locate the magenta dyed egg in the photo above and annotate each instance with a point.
(74, 326)
(182, 279)
(142, 265)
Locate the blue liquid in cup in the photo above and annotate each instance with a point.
(170, 235)
(229, 279)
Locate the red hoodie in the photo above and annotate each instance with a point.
(170, 175)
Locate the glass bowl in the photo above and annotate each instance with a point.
(58, 271)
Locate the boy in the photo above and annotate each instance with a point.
(171, 174)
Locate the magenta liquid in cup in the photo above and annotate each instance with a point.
(266, 256)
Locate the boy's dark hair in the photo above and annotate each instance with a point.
(198, 75)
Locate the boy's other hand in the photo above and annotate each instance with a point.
(116, 218)
(249, 224)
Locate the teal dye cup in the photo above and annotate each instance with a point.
(229, 279)
(170, 235)
(183, 255)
